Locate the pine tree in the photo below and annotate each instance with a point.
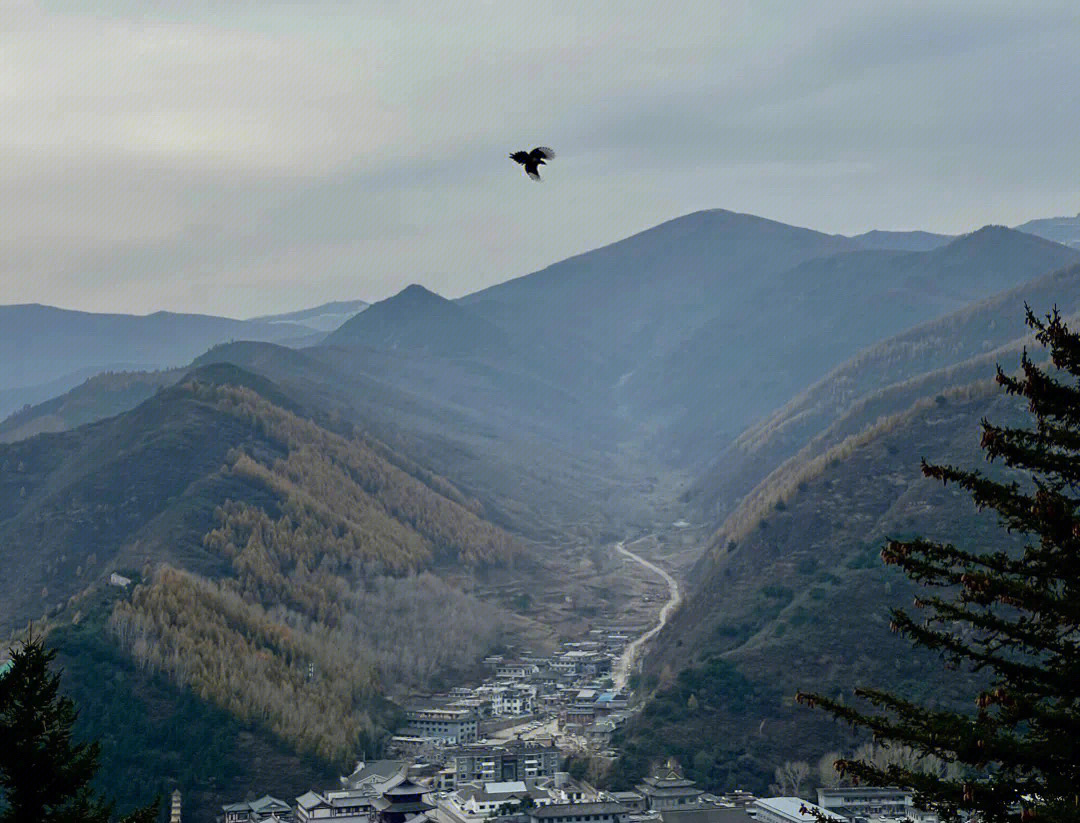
(1012, 615)
(44, 775)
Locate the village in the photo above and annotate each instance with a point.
(497, 751)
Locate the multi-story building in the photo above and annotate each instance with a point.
(516, 671)
(865, 802)
(447, 724)
(514, 761)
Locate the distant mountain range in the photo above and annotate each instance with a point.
(267, 481)
(45, 350)
(1064, 230)
(325, 318)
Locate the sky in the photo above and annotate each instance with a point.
(244, 157)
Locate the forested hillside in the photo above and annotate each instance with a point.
(878, 381)
(285, 573)
(791, 588)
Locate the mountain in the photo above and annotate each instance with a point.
(1064, 230)
(428, 463)
(616, 306)
(901, 240)
(104, 395)
(791, 594)
(739, 366)
(324, 318)
(790, 584)
(46, 345)
(627, 367)
(260, 543)
(923, 361)
(421, 321)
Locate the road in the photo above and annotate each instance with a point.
(548, 728)
(625, 663)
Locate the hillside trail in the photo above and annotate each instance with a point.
(621, 674)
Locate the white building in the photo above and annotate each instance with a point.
(873, 803)
(790, 810)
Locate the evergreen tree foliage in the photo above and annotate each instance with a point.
(45, 775)
(1011, 615)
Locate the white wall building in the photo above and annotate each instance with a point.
(790, 810)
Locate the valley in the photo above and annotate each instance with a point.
(626, 661)
(320, 531)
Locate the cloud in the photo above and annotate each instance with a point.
(255, 156)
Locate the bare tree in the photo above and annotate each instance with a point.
(790, 777)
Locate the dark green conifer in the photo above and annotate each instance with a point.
(44, 774)
(1012, 615)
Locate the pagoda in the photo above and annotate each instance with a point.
(668, 789)
(401, 804)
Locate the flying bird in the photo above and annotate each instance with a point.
(532, 160)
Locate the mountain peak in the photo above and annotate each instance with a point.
(996, 237)
(415, 293)
(418, 319)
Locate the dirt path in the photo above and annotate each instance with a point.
(625, 663)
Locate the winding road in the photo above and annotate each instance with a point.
(621, 673)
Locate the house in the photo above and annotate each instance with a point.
(375, 775)
(266, 808)
(116, 579)
(482, 800)
(311, 806)
(338, 806)
(791, 810)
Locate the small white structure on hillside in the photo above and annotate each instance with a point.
(117, 579)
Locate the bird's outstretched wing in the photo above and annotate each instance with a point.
(533, 171)
(542, 153)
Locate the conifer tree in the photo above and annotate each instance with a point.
(44, 775)
(1012, 615)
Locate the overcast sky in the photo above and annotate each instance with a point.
(242, 158)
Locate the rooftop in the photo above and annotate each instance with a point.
(792, 807)
(574, 809)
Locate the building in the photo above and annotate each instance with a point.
(404, 803)
(445, 724)
(669, 790)
(599, 812)
(514, 761)
(375, 775)
(865, 802)
(266, 808)
(174, 811)
(633, 801)
(474, 802)
(706, 814)
(790, 810)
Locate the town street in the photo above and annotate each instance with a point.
(621, 673)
